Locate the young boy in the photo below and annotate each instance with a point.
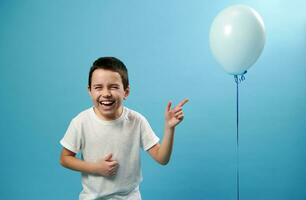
(109, 136)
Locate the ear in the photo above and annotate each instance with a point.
(89, 90)
(126, 92)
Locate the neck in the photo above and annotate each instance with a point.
(115, 116)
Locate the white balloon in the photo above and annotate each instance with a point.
(237, 38)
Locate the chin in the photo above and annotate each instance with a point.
(109, 114)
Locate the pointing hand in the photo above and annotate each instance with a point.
(174, 116)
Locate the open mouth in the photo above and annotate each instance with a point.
(107, 103)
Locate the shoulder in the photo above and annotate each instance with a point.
(82, 117)
(133, 115)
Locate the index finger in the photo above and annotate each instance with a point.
(183, 102)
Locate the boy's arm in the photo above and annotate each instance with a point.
(105, 167)
(162, 152)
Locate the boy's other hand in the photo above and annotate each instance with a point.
(176, 115)
(107, 167)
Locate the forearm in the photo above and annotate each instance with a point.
(165, 150)
(76, 164)
(162, 152)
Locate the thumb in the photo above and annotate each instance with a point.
(108, 157)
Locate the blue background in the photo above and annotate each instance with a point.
(47, 47)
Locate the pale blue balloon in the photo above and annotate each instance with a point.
(237, 38)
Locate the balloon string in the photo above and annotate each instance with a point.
(237, 135)
(238, 80)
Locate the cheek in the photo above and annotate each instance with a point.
(121, 95)
(94, 95)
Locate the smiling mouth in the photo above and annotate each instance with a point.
(107, 103)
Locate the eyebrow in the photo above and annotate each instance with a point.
(112, 84)
(97, 85)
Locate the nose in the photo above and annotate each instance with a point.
(106, 93)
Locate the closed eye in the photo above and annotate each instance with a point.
(98, 88)
(114, 87)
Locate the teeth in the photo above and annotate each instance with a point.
(107, 103)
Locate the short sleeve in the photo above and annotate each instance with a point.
(148, 137)
(72, 139)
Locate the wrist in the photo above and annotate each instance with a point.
(94, 168)
(169, 128)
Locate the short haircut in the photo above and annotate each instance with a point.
(112, 64)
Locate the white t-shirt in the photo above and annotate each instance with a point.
(123, 137)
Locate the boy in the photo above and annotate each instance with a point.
(109, 136)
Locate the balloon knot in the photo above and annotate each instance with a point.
(241, 78)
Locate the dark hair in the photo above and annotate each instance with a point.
(112, 64)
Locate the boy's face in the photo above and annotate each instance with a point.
(107, 93)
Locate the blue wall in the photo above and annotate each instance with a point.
(47, 47)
